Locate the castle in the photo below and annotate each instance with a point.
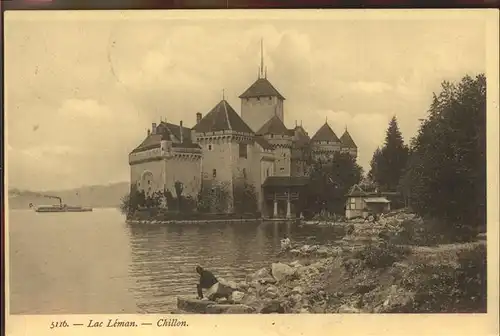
(224, 147)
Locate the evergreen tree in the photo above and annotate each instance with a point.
(388, 163)
(446, 176)
(374, 171)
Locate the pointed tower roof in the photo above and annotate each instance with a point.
(222, 118)
(347, 140)
(261, 88)
(325, 133)
(273, 126)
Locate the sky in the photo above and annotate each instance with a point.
(82, 90)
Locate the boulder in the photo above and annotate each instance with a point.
(263, 273)
(296, 298)
(266, 281)
(229, 309)
(237, 296)
(306, 249)
(295, 263)
(297, 290)
(243, 286)
(322, 252)
(230, 284)
(193, 305)
(397, 298)
(281, 271)
(307, 271)
(270, 292)
(273, 307)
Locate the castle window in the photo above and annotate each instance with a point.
(270, 98)
(282, 169)
(209, 147)
(244, 173)
(214, 173)
(243, 151)
(267, 172)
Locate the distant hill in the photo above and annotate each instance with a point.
(98, 196)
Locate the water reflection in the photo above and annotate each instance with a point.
(164, 257)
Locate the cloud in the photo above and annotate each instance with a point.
(370, 87)
(94, 87)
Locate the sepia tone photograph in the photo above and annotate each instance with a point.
(289, 165)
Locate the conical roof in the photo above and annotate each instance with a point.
(273, 126)
(261, 88)
(222, 118)
(325, 133)
(347, 140)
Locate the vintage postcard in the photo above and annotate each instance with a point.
(275, 172)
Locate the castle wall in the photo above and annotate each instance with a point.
(325, 150)
(155, 173)
(282, 161)
(187, 170)
(217, 155)
(148, 176)
(255, 112)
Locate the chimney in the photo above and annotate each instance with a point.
(182, 135)
(149, 131)
(198, 117)
(153, 128)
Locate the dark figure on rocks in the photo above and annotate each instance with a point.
(213, 288)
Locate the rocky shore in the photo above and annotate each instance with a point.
(364, 273)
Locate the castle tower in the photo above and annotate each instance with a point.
(261, 101)
(165, 157)
(275, 132)
(325, 143)
(348, 144)
(226, 142)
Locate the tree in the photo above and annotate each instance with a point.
(214, 197)
(373, 174)
(388, 163)
(446, 175)
(329, 182)
(244, 196)
(133, 201)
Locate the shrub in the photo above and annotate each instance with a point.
(429, 232)
(448, 289)
(381, 255)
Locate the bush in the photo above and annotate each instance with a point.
(381, 255)
(430, 232)
(448, 289)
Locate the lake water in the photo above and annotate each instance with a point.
(95, 263)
